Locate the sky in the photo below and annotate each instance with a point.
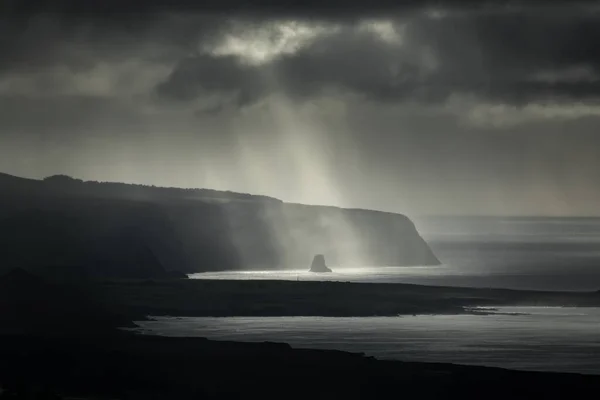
(424, 108)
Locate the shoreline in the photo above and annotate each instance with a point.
(483, 311)
(265, 298)
(490, 338)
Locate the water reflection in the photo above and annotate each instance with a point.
(528, 338)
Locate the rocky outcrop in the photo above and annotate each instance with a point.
(318, 264)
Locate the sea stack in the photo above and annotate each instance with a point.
(318, 264)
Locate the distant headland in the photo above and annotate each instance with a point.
(124, 230)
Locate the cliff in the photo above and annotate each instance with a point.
(114, 229)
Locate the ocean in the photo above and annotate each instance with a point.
(517, 253)
(525, 338)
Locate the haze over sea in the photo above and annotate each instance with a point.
(519, 253)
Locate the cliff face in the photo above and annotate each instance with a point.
(137, 231)
(346, 237)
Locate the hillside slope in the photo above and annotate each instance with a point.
(139, 231)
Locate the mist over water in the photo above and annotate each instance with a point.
(302, 147)
(518, 253)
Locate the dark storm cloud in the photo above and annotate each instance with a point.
(498, 56)
(257, 7)
(44, 40)
(211, 74)
(39, 33)
(509, 49)
(346, 59)
(483, 49)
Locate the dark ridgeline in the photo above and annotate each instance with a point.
(134, 231)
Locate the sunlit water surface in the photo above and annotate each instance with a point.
(521, 253)
(527, 338)
(444, 275)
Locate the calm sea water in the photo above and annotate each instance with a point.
(527, 338)
(518, 253)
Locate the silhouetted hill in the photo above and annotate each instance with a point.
(29, 304)
(121, 230)
(65, 184)
(148, 367)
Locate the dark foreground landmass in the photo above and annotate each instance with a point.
(220, 298)
(62, 342)
(145, 367)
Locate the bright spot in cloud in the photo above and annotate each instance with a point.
(436, 13)
(260, 45)
(499, 115)
(387, 31)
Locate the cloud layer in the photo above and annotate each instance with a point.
(513, 56)
(381, 90)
